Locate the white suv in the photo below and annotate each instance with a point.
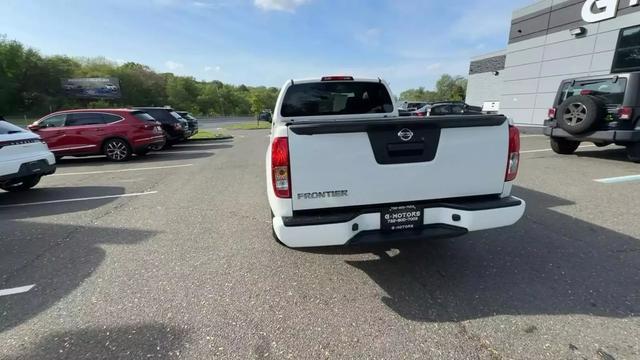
(24, 158)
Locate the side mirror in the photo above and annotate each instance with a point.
(34, 127)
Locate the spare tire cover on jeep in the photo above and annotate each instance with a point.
(578, 114)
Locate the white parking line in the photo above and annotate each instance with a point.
(543, 150)
(619, 179)
(177, 151)
(78, 199)
(186, 146)
(122, 170)
(18, 290)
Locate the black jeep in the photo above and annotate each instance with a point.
(603, 110)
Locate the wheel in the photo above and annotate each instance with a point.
(580, 113)
(633, 152)
(155, 147)
(564, 146)
(22, 185)
(117, 150)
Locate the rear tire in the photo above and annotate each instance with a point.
(578, 114)
(23, 185)
(564, 146)
(117, 150)
(633, 152)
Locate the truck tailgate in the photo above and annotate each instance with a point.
(355, 163)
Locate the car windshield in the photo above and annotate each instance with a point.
(336, 98)
(610, 90)
(8, 128)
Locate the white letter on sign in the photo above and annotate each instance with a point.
(608, 9)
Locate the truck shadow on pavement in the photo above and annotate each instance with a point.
(44, 194)
(619, 154)
(152, 340)
(549, 263)
(56, 257)
(201, 146)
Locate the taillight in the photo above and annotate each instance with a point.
(421, 114)
(513, 161)
(625, 113)
(280, 169)
(552, 113)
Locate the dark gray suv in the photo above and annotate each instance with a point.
(603, 110)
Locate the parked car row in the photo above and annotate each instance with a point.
(116, 133)
(442, 108)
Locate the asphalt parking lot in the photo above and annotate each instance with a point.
(170, 256)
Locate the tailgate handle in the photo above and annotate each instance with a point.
(402, 150)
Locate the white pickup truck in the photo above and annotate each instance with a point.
(344, 169)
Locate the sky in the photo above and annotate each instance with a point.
(409, 43)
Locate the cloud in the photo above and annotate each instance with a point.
(201, 4)
(212, 4)
(212, 68)
(279, 5)
(172, 65)
(369, 37)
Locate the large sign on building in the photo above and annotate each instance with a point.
(92, 88)
(599, 10)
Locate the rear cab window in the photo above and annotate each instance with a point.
(336, 98)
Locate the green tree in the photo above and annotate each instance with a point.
(448, 88)
(182, 92)
(31, 84)
(451, 88)
(141, 86)
(262, 98)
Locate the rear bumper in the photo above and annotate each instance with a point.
(145, 143)
(611, 136)
(36, 165)
(364, 228)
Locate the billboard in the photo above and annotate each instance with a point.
(92, 88)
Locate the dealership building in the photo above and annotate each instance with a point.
(553, 40)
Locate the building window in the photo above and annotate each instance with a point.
(627, 56)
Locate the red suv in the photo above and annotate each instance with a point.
(116, 133)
